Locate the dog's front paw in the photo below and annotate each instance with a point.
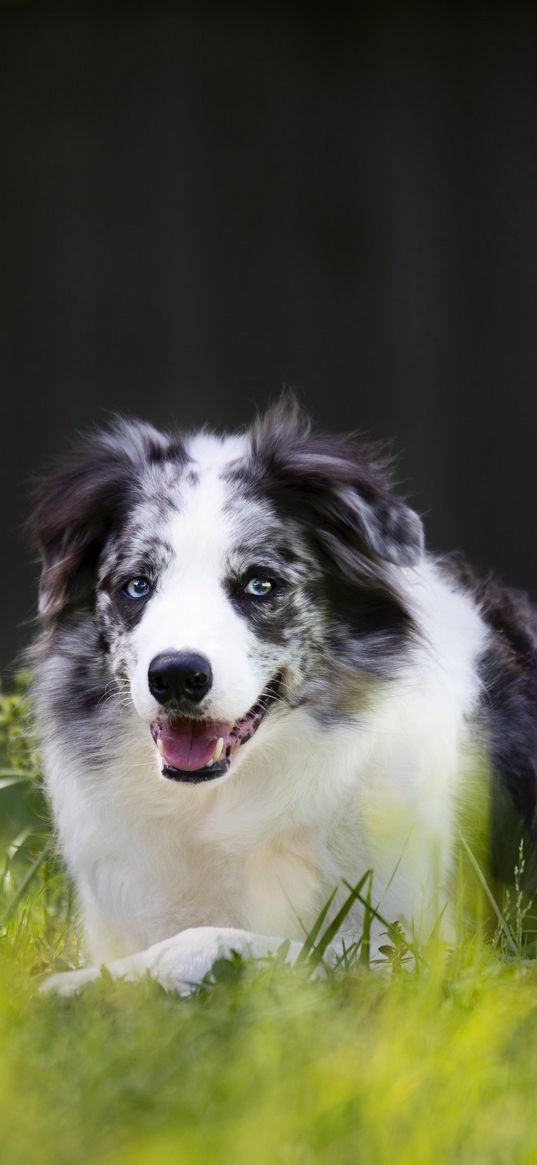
(180, 963)
(69, 982)
(185, 961)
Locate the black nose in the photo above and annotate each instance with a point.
(179, 675)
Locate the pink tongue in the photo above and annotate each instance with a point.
(190, 744)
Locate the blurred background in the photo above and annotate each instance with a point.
(200, 203)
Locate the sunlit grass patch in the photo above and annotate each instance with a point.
(433, 1062)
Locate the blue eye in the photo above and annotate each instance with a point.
(259, 587)
(137, 588)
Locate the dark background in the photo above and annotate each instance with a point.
(199, 204)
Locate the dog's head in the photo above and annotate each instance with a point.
(230, 579)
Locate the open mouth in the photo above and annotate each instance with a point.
(201, 750)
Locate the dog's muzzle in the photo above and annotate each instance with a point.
(194, 749)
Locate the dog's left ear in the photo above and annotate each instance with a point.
(340, 485)
(79, 503)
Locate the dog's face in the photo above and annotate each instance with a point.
(229, 580)
(205, 600)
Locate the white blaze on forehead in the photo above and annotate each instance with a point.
(199, 532)
(208, 525)
(203, 531)
(212, 454)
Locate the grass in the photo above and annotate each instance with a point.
(434, 1063)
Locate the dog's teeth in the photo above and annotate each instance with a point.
(218, 749)
(160, 746)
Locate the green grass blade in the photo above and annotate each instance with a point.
(365, 948)
(26, 881)
(7, 782)
(309, 940)
(393, 929)
(326, 938)
(373, 909)
(483, 883)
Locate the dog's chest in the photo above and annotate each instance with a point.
(139, 889)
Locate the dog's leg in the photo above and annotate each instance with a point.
(179, 963)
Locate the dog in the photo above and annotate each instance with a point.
(253, 684)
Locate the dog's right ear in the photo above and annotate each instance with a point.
(82, 500)
(341, 487)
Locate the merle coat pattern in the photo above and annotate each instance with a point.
(253, 684)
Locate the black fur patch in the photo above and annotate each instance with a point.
(336, 491)
(90, 494)
(508, 672)
(340, 486)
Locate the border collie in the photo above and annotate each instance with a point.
(252, 685)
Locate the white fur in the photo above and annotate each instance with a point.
(181, 873)
(191, 610)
